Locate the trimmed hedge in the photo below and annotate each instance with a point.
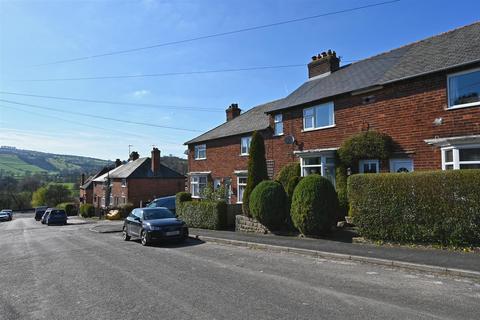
(203, 214)
(182, 197)
(268, 204)
(292, 184)
(421, 207)
(287, 173)
(365, 145)
(314, 205)
(69, 207)
(87, 210)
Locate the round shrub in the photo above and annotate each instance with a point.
(183, 196)
(292, 184)
(314, 205)
(268, 204)
(287, 172)
(69, 207)
(87, 210)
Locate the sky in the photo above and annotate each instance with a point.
(176, 108)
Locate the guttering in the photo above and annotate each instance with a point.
(450, 141)
(198, 173)
(314, 151)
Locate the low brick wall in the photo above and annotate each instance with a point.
(246, 224)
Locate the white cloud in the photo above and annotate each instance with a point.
(140, 93)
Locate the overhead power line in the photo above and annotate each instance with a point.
(220, 34)
(100, 117)
(148, 105)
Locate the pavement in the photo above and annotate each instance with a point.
(69, 272)
(425, 259)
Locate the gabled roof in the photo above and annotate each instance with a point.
(90, 179)
(140, 168)
(441, 52)
(252, 120)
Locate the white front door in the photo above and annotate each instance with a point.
(401, 165)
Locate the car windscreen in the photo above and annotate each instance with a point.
(157, 214)
(57, 213)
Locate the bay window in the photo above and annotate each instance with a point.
(323, 164)
(317, 117)
(197, 185)
(369, 166)
(461, 157)
(464, 89)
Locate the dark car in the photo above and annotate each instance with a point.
(56, 216)
(39, 211)
(153, 224)
(6, 215)
(164, 202)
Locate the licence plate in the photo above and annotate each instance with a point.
(172, 233)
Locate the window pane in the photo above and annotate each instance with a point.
(470, 166)
(312, 170)
(469, 154)
(324, 115)
(278, 118)
(245, 145)
(449, 156)
(278, 128)
(449, 167)
(312, 161)
(242, 180)
(370, 167)
(308, 122)
(203, 180)
(464, 88)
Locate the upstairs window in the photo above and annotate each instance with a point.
(245, 146)
(278, 124)
(200, 152)
(464, 89)
(321, 116)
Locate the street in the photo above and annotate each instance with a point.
(70, 272)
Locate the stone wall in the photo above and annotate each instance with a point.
(246, 224)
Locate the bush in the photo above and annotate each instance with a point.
(422, 207)
(314, 205)
(182, 197)
(292, 184)
(203, 214)
(287, 173)
(87, 210)
(51, 195)
(257, 169)
(69, 207)
(268, 204)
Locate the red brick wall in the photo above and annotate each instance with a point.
(404, 110)
(147, 189)
(87, 195)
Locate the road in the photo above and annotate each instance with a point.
(69, 272)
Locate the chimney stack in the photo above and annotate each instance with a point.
(155, 161)
(82, 179)
(323, 64)
(233, 111)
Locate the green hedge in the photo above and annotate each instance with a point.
(422, 207)
(268, 204)
(287, 173)
(203, 214)
(314, 205)
(182, 197)
(69, 207)
(87, 210)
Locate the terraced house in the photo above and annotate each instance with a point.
(425, 95)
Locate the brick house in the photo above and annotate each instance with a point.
(425, 95)
(136, 182)
(86, 185)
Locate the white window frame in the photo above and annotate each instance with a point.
(314, 118)
(244, 185)
(197, 182)
(200, 148)
(456, 156)
(464, 105)
(277, 122)
(247, 152)
(361, 163)
(322, 166)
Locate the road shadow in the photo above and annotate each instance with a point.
(172, 244)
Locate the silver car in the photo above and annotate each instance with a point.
(6, 215)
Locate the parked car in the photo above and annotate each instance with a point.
(56, 216)
(39, 211)
(43, 220)
(154, 224)
(164, 202)
(6, 215)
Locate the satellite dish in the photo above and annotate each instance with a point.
(289, 139)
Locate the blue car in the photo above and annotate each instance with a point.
(154, 224)
(164, 202)
(56, 216)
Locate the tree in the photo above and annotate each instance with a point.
(257, 169)
(118, 163)
(134, 155)
(51, 195)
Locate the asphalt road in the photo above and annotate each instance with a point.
(69, 272)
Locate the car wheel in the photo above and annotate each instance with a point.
(125, 235)
(144, 238)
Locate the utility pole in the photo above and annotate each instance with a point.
(129, 147)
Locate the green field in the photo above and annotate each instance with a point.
(14, 165)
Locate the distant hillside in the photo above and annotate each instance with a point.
(18, 162)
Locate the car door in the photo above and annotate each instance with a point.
(136, 222)
(128, 222)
